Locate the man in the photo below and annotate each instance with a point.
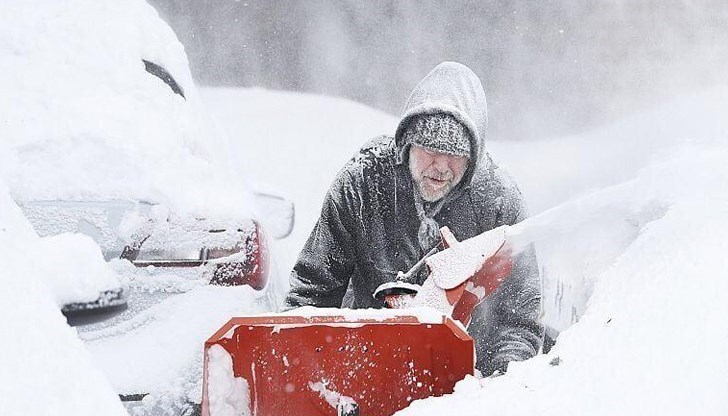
(384, 210)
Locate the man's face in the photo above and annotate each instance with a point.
(435, 173)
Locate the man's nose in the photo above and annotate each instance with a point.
(441, 163)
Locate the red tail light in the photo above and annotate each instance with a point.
(254, 268)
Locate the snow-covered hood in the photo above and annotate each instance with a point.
(451, 88)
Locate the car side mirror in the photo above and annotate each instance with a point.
(277, 214)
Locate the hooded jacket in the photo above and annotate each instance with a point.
(368, 228)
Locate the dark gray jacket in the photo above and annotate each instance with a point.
(368, 226)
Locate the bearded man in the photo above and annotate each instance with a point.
(385, 207)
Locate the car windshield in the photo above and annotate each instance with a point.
(161, 73)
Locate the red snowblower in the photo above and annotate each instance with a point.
(312, 361)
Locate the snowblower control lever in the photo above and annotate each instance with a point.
(406, 276)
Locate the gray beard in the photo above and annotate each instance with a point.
(433, 197)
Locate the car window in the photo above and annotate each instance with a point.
(161, 73)
(169, 255)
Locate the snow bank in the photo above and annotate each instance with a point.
(84, 120)
(653, 336)
(159, 350)
(46, 369)
(74, 268)
(550, 172)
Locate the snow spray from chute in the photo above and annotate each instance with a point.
(465, 273)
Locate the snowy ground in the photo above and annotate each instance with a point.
(634, 211)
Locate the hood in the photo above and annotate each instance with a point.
(451, 88)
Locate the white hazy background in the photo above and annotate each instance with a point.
(550, 68)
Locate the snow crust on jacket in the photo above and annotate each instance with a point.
(368, 228)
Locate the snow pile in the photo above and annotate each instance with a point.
(578, 248)
(70, 265)
(159, 349)
(46, 369)
(550, 172)
(229, 395)
(74, 268)
(84, 120)
(653, 336)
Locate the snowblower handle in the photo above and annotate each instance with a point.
(397, 294)
(406, 276)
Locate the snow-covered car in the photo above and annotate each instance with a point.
(150, 236)
(46, 367)
(104, 134)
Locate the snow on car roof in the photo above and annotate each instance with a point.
(85, 120)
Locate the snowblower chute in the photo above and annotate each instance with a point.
(360, 363)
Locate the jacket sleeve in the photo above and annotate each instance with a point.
(514, 332)
(324, 267)
(517, 331)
